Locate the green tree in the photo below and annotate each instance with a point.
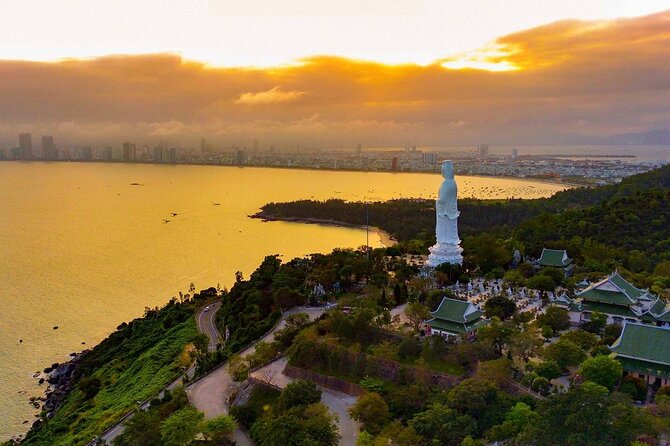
(542, 283)
(299, 426)
(548, 369)
(602, 370)
(395, 434)
(597, 323)
(443, 425)
(416, 313)
(142, 429)
(585, 340)
(299, 393)
(371, 410)
(556, 274)
(516, 420)
(287, 297)
(555, 317)
(565, 353)
(515, 278)
(90, 386)
(499, 306)
(497, 334)
(663, 269)
(584, 416)
(219, 429)
(525, 343)
(180, 428)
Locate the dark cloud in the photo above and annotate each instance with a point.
(574, 78)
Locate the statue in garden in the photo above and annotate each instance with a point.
(447, 249)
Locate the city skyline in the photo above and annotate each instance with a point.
(560, 83)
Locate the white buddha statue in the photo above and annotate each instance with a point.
(447, 249)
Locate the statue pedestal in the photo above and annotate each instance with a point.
(445, 253)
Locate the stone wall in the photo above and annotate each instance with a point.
(355, 366)
(329, 382)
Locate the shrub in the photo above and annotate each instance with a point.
(548, 369)
(602, 370)
(371, 410)
(410, 348)
(541, 385)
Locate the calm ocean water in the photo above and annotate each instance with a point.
(84, 249)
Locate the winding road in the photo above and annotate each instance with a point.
(206, 322)
(209, 394)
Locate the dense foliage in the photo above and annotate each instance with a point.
(132, 364)
(292, 417)
(626, 224)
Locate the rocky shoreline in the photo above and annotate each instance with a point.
(385, 238)
(59, 379)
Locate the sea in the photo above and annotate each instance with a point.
(86, 246)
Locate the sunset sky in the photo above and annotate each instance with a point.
(333, 72)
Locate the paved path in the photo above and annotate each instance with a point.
(205, 320)
(337, 402)
(209, 394)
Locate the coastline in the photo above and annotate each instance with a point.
(553, 181)
(385, 238)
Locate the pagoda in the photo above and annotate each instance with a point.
(620, 301)
(556, 258)
(455, 317)
(643, 352)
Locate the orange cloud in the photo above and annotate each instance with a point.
(571, 81)
(273, 96)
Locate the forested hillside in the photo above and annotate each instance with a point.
(622, 220)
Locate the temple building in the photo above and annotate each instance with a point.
(643, 352)
(620, 301)
(556, 258)
(455, 318)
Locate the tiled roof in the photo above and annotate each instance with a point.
(455, 327)
(604, 296)
(614, 289)
(554, 257)
(625, 286)
(644, 342)
(457, 311)
(645, 367)
(614, 310)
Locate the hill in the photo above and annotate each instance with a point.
(630, 216)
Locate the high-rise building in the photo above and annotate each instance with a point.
(26, 146)
(85, 154)
(359, 149)
(158, 155)
(129, 151)
(430, 158)
(203, 145)
(165, 155)
(394, 164)
(483, 149)
(515, 154)
(240, 158)
(109, 154)
(48, 148)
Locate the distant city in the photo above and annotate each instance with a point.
(477, 160)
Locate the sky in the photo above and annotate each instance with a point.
(332, 73)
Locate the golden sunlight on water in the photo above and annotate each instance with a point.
(84, 249)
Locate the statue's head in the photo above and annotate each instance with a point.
(447, 169)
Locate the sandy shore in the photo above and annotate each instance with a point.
(384, 237)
